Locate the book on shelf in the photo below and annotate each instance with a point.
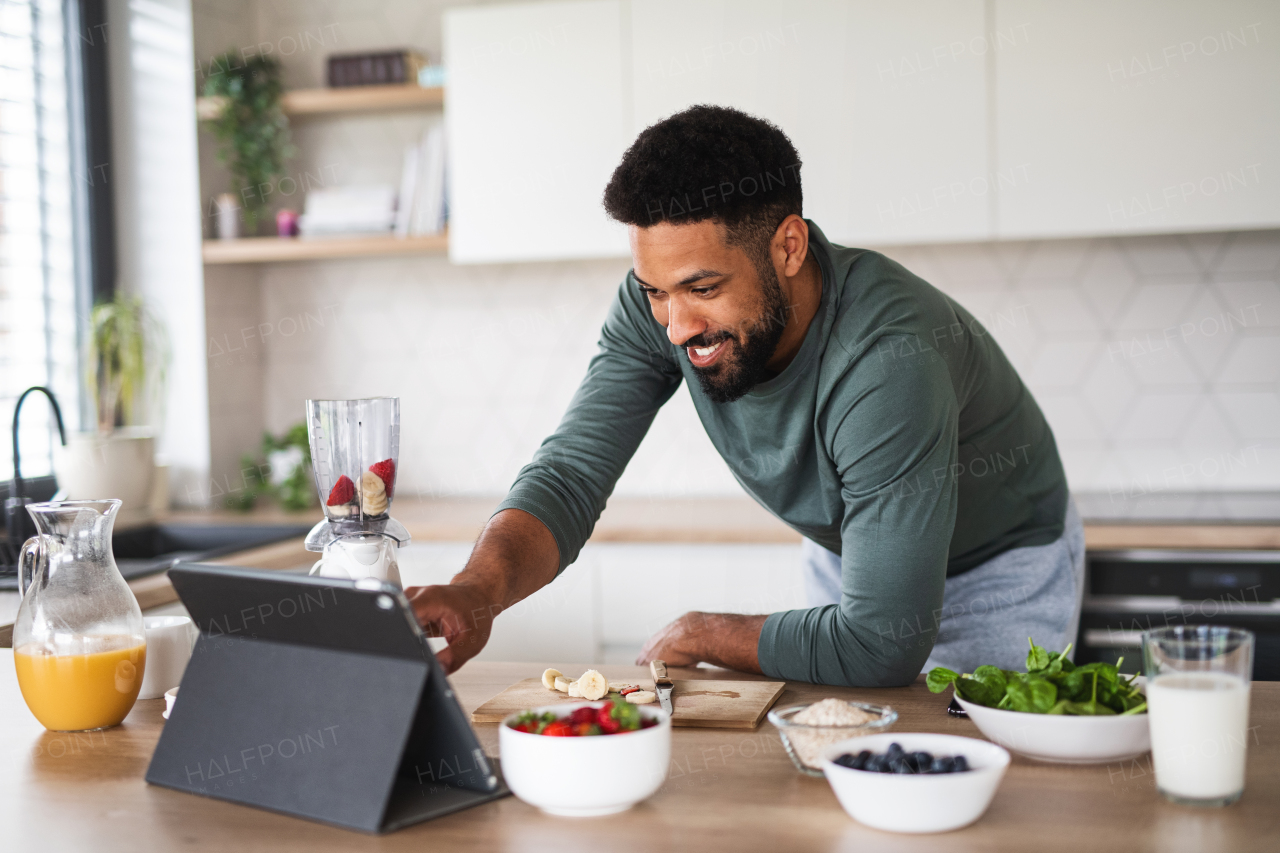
(422, 203)
(428, 215)
(408, 186)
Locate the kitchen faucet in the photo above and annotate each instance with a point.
(17, 523)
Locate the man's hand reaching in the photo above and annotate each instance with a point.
(514, 558)
(461, 614)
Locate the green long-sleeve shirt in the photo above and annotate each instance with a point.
(899, 437)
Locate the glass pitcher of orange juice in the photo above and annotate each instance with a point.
(78, 640)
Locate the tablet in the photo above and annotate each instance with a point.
(318, 698)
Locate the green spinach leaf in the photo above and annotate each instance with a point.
(992, 676)
(981, 692)
(1037, 658)
(938, 679)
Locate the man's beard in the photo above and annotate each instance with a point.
(727, 381)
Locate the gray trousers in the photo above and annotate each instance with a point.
(989, 611)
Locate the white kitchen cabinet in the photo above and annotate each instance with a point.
(605, 605)
(537, 120)
(1141, 116)
(556, 623)
(644, 587)
(885, 102)
(917, 122)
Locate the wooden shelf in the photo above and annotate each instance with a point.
(353, 99)
(254, 250)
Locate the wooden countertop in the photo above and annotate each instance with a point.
(726, 790)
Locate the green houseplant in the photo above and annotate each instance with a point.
(127, 365)
(283, 471)
(127, 346)
(251, 128)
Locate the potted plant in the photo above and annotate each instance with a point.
(283, 471)
(128, 356)
(251, 128)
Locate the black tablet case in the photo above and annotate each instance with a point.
(317, 698)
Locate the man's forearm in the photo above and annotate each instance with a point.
(722, 639)
(728, 640)
(515, 557)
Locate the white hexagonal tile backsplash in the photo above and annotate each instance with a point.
(1156, 360)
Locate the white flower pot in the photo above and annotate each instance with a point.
(119, 465)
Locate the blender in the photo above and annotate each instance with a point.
(355, 445)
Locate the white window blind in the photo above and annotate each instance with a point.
(38, 324)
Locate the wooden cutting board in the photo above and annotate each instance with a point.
(710, 704)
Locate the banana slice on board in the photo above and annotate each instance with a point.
(592, 685)
(549, 678)
(642, 697)
(561, 683)
(574, 691)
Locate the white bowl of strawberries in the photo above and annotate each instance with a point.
(586, 758)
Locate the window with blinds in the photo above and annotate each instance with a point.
(38, 291)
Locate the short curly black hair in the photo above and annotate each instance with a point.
(709, 162)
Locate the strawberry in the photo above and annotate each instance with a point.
(343, 491)
(606, 721)
(386, 471)
(560, 728)
(582, 715)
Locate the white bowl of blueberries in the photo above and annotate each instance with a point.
(915, 782)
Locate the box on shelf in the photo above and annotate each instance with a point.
(348, 210)
(375, 69)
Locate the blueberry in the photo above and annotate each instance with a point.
(922, 760)
(861, 761)
(895, 749)
(941, 764)
(845, 760)
(959, 764)
(901, 765)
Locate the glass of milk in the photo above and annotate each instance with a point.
(1198, 704)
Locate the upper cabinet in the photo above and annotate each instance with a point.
(916, 120)
(537, 119)
(884, 101)
(1138, 116)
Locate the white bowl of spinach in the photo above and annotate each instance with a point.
(1055, 711)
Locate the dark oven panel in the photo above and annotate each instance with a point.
(1130, 591)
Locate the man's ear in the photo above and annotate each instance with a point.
(791, 244)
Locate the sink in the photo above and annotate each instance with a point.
(153, 548)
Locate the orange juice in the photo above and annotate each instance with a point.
(78, 692)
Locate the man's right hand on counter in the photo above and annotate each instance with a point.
(515, 557)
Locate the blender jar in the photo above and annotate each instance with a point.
(355, 446)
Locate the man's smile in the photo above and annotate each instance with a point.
(705, 356)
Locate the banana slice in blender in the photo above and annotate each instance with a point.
(373, 494)
(592, 685)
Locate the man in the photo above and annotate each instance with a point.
(857, 403)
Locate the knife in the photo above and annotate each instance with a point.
(662, 685)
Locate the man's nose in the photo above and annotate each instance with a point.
(682, 322)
